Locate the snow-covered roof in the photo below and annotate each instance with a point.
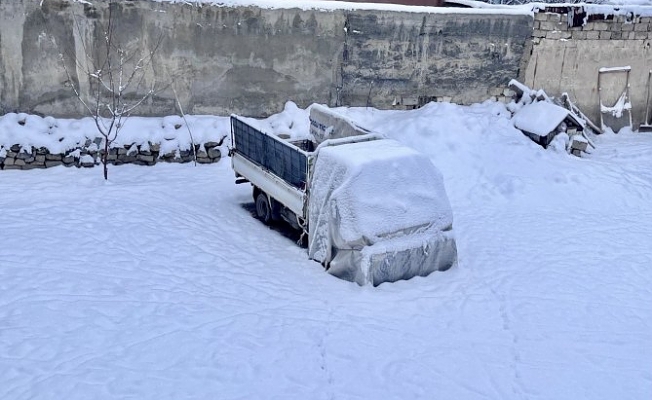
(539, 118)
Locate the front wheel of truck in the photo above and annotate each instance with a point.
(263, 210)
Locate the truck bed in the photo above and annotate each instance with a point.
(275, 155)
(277, 167)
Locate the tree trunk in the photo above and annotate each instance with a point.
(105, 158)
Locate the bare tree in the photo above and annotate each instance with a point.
(117, 80)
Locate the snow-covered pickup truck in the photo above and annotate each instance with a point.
(372, 210)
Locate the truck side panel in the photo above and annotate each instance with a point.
(289, 196)
(280, 158)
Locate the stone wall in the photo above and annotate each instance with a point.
(250, 61)
(566, 58)
(87, 155)
(29, 141)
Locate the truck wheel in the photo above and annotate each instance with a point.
(263, 210)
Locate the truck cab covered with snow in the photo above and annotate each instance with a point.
(373, 209)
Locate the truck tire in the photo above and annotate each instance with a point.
(263, 210)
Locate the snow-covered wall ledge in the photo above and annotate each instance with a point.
(30, 141)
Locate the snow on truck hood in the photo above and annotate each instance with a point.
(385, 187)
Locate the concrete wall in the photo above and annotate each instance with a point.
(251, 61)
(463, 58)
(220, 60)
(567, 59)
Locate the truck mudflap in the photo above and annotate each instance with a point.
(395, 259)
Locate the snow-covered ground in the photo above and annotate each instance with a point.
(159, 284)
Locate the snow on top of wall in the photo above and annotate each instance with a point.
(475, 7)
(612, 7)
(606, 10)
(642, 8)
(60, 136)
(629, 2)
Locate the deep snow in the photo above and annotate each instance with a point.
(159, 284)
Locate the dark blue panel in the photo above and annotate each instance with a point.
(275, 156)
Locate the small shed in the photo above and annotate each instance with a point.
(541, 121)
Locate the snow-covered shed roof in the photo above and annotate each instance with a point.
(539, 118)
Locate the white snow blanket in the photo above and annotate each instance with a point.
(378, 212)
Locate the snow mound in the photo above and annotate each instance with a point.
(61, 135)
